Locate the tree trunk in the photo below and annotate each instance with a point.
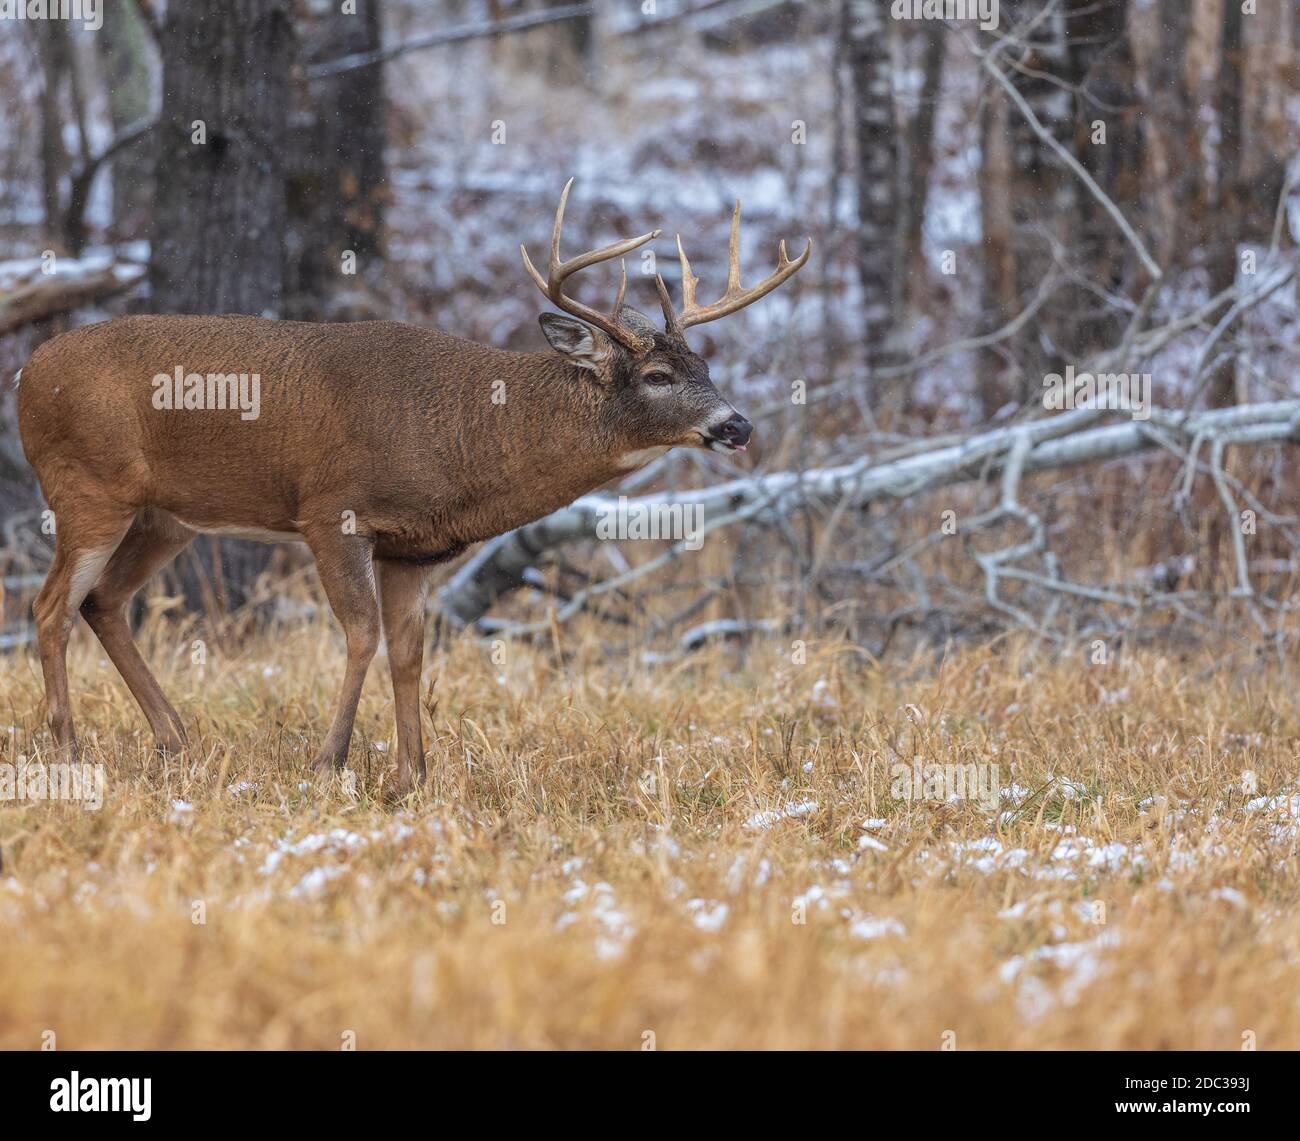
(123, 46)
(1173, 137)
(919, 158)
(1270, 84)
(996, 383)
(866, 27)
(1228, 184)
(1042, 193)
(1101, 72)
(219, 212)
(54, 51)
(338, 184)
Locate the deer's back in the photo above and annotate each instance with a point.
(296, 410)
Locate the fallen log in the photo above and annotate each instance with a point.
(28, 294)
(1056, 442)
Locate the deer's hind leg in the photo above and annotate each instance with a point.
(152, 541)
(86, 535)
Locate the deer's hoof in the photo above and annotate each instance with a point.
(327, 762)
(170, 746)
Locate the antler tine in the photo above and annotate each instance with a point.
(555, 232)
(622, 288)
(558, 271)
(689, 280)
(605, 253)
(735, 297)
(733, 251)
(666, 304)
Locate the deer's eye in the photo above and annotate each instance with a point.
(657, 376)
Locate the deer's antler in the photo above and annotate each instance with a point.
(557, 271)
(735, 297)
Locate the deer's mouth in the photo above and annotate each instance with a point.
(717, 444)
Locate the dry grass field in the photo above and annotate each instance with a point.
(711, 853)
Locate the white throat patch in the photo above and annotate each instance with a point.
(630, 461)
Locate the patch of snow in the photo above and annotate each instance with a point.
(707, 914)
(763, 820)
(313, 882)
(869, 928)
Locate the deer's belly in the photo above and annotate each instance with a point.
(256, 534)
(404, 550)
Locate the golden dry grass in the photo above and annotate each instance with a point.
(591, 861)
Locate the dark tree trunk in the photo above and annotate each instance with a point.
(123, 46)
(338, 186)
(219, 209)
(1271, 80)
(866, 27)
(1228, 183)
(1101, 72)
(1173, 136)
(55, 54)
(919, 157)
(1043, 192)
(997, 383)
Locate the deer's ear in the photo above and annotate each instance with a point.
(586, 347)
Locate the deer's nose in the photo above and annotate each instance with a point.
(735, 430)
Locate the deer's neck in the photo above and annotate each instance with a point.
(545, 443)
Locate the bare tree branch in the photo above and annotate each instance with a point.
(477, 31)
(74, 225)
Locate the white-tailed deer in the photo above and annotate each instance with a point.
(386, 447)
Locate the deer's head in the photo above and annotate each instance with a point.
(655, 391)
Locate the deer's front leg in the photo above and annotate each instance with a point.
(403, 589)
(347, 573)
